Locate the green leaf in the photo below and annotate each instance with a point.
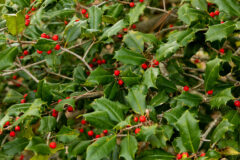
(101, 148)
(159, 99)
(16, 109)
(150, 77)
(74, 31)
(200, 4)
(129, 147)
(95, 17)
(129, 78)
(148, 131)
(167, 85)
(183, 38)
(189, 131)
(167, 50)
(60, 106)
(189, 15)
(191, 100)
(233, 117)
(137, 100)
(99, 76)
(178, 144)
(220, 31)
(15, 146)
(136, 12)
(47, 124)
(155, 154)
(211, 73)
(99, 119)
(231, 7)
(221, 98)
(220, 130)
(129, 57)
(66, 134)
(22, 3)
(113, 30)
(112, 90)
(79, 74)
(78, 147)
(7, 57)
(15, 22)
(45, 44)
(38, 146)
(114, 109)
(40, 157)
(134, 41)
(12, 97)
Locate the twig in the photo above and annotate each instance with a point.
(173, 28)
(164, 5)
(2, 29)
(208, 44)
(79, 57)
(87, 51)
(89, 95)
(193, 76)
(48, 137)
(23, 42)
(135, 126)
(59, 75)
(4, 140)
(237, 51)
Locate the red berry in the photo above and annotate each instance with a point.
(185, 155)
(119, 36)
(221, 50)
(99, 62)
(142, 118)
(237, 103)
(155, 62)
(196, 61)
(222, 22)
(17, 118)
(84, 11)
(21, 157)
(39, 52)
(27, 22)
(125, 29)
(17, 128)
(55, 37)
(49, 52)
(23, 100)
(171, 25)
(97, 136)
(65, 22)
(209, 4)
(25, 95)
(137, 130)
(86, 15)
(48, 37)
(179, 156)
(6, 124)
(59, 100)
(212, 14)
(216, 13)
(91, 65)
(202, 154)
(21, 57)
(94, 59)
(131, 4)
(210, 92)
(135, 119)
(88, 73)
(134, 26)
(144, 66)
(83, 122)
(70, 109)
(186, 88)
(141, 1)
(29, 12)
(27, 16)
(12, 134)
(105, 131)
(120, 82)
(76, 20)
(53, 145)
(81, 130)
(68, 97)
(25, 52)
(35, 90)
(54, 113)
(14, 77)
(103, 61)
(44, 35)
(33, 9)
(57, 47)
(116, 72)
(90, 133)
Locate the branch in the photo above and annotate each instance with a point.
(79, 57)
(2, 29)
(87, 51)
(90, 95)
(173, 28)
(59, 75)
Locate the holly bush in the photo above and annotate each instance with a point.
(110, 80)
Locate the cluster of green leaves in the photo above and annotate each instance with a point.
(177, 120)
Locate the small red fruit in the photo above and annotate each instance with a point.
(221, 50)
(68, 97)
(25, 52)
(120, 82)
(141, 1)
(90, 133)
(86, 15)
(83, 122)
(202, 154)
(131, 4)
(57, 47)
(103, 61)
(171, 25)
(125, 29)
(33, 9)
(44, 35)
(65, 22)
(27, 22)
(25, 95)
(210, 92)
(179, 156)
(21, 57)
(81, 130)
(144, 66)
(91, 65)
(119, 36)
(49, 52)
(142, 118)
(155, 62)
(55, 37)
(116, 72)
(17, 118)
(23, 100)
(53, 145)
(135, 119)
(12, 134)
(105, 131)
(84, 11)
(97, 136)
(237, 103)
(17, 128)
(134, 26)
(6, 124)
(99, 62)
(216, 13)
(39, 52)
(48, 37)
(185, 155)
(76, 20)
(27, 16)
(137, 130)
(196, 61)
(94, 59)
(59, 100)
(54, 113)
(212, 14)
(21, 157)
(70, 109)
(222, 22)
(209, 4)
(186, 88)
(14, 77)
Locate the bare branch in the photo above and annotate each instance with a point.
(87, 51)
(89, 95)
